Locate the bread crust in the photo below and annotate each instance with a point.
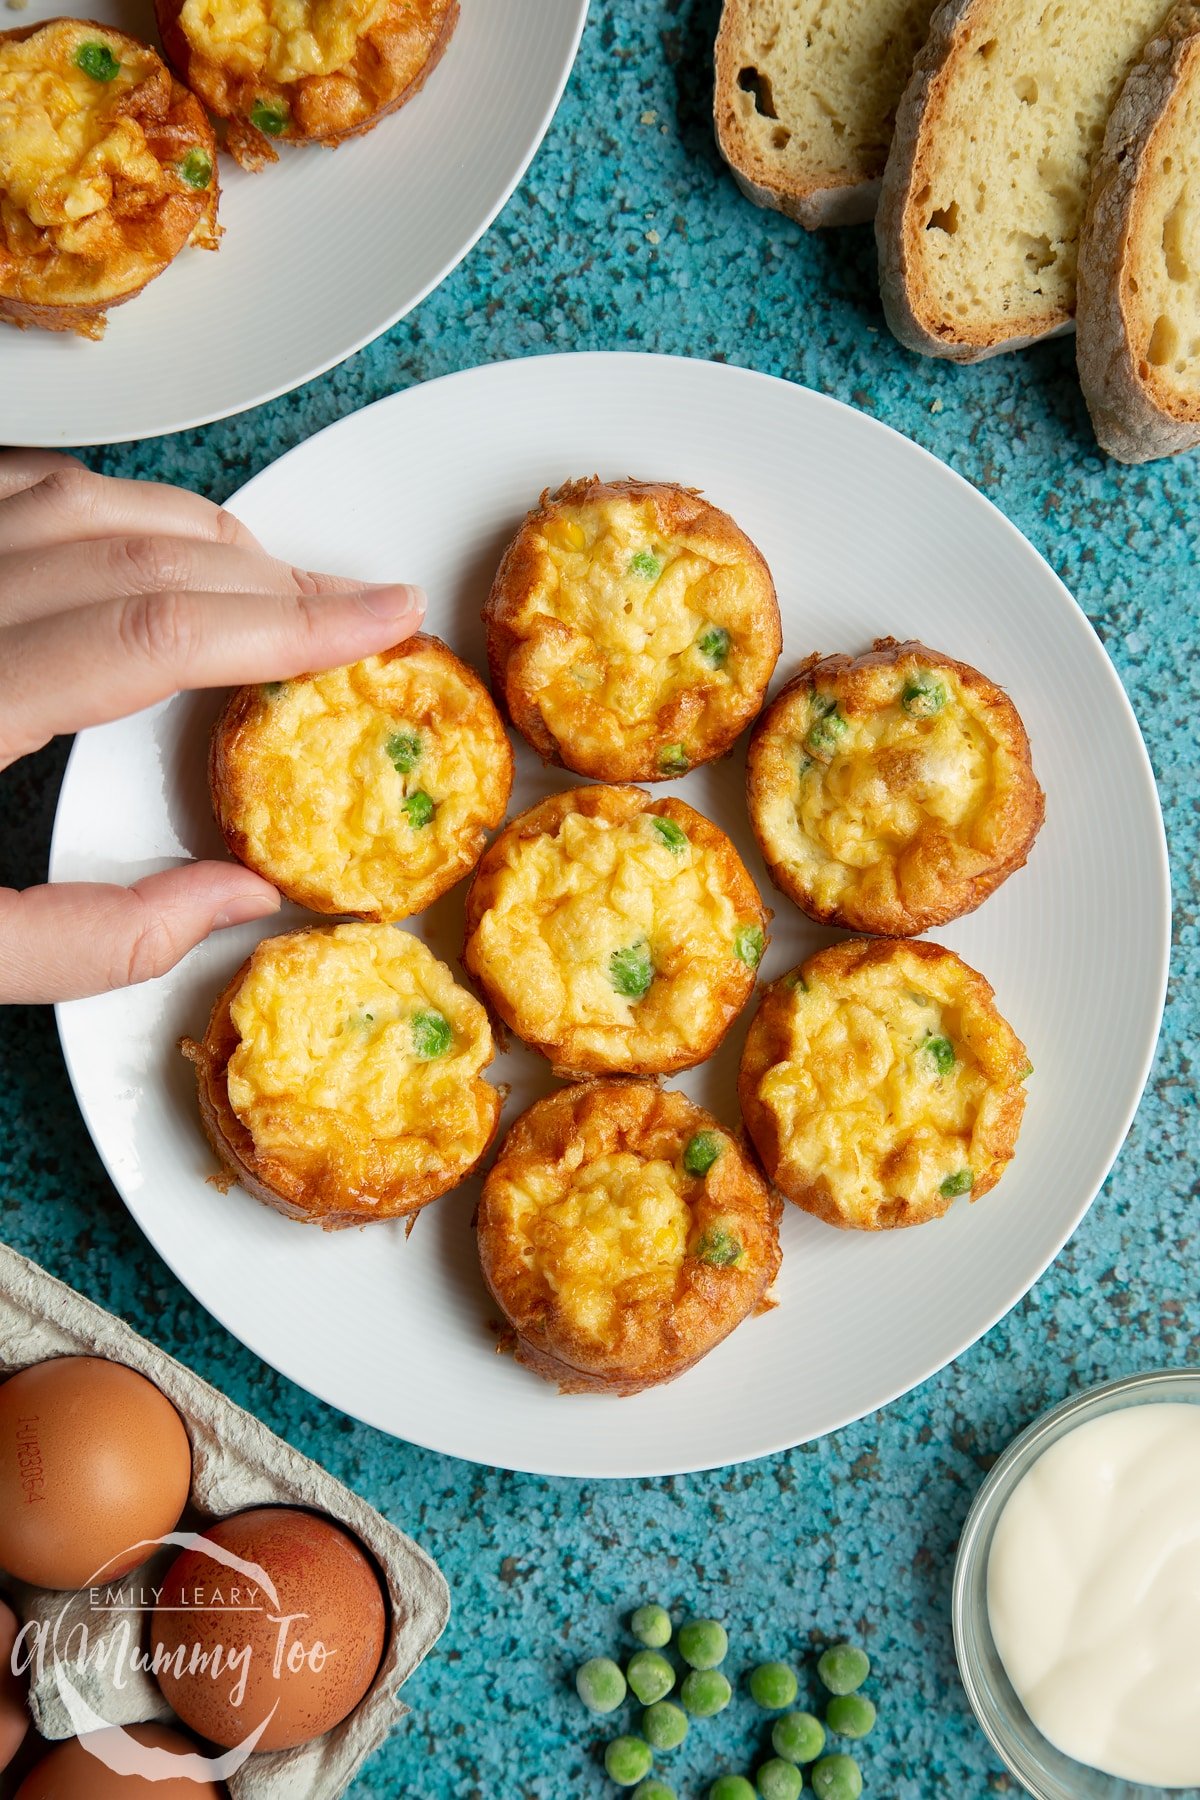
(678, 1033)
(941, 870)
(245, 781)
(315, 1195)
(813, 204)
(770, 1044)
(660, 1323)
(1136, 416)
(392, 64)
(707, 718)
(907, 305)
(171, 118)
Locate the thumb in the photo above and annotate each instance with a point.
(75, 938)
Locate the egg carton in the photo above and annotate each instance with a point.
(236, 1463)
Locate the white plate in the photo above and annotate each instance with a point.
(321, 252)
(866, 534)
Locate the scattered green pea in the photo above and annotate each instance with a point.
(98, 61)
(404, 751)
(825, 733)
(705, 1692)
(600, 1684)
(731, 1787)
(272, 689)
(1026, 1072)
(748, 945)
(654, 1789)
(923, 696)
(703, 1643)
(837, 1778)
(419, 809)
(843, 1668)
(719, 1248)
(713, 645)
(627, 1761)
(432, 1037)
(773, 1686)
(664, 1725)
(651, 1625)
(850, 1715)
(674, 760)
(940, 1052)
(631, 970)
(798, 1737)
(702, 1152)
(195, 168)
(645, 564)
(269, 116)
(779, 1780)
(672, 835)
(650, 1676)
(961, 1182)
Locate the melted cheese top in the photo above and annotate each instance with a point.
(620, 613)
(378, 775)
(332, 1024)
(888, 1084)
(64, 141)
(565, 904)
(279, 40)
(606, 1236)
(879, 789)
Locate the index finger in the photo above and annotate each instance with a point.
(69, 504)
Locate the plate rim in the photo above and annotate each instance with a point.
(502, 369)
(47, 439)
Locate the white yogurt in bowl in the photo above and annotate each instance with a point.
(1093, 1593)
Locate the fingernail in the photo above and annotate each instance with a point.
(243, 908)
(392, 601)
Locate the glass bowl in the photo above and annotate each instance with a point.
(1044, 1771)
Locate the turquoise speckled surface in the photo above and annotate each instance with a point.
(627, 233)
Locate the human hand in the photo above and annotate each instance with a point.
(115, 594)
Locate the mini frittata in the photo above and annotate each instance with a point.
(891, 792)
(632, 630)
(615, 933)
(302, 71)
(879, 1082)
(107, 170)
(340, 1077)
(368, 789)
(623, 1233)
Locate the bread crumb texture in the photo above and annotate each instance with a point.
(815, 88)
(1011, 131)
(358, 1049)
(1163, 266)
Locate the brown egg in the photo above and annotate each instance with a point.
(14, 1712)
(72, 1772)
(93, 1461)
(311, 1658)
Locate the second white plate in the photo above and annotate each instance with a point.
(866, 535)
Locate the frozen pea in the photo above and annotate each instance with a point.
(837, 1778)
(844, 1667)
(651, 1625)
(798, 1737)
(664, 1725)
(705, 1692)
(773, 1686)
(650, 1676)
(779, 1780)
(627, 1761)
(850, 1715)
(703, 1643)
(600, 1684)
(653, 1789)
(731, 1787)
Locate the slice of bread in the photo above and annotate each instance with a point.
(806, 96)
(986, 183)
(1139, 257)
